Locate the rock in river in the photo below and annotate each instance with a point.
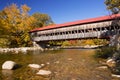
(8, 65)
(35, 66)
(44, 72)
(111, 63)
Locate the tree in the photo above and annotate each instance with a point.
(15, 23)
(113, 5)
(42, 20)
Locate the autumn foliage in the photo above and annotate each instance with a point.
(113, 6)
(15, 23)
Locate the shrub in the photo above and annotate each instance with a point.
(105, 52)
(4, 42)
(66, 43)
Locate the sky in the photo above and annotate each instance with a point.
(62, 11)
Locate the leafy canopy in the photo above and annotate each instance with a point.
(113, 6)
(15, 22)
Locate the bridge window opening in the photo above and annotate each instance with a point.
(79, 31)
(50, 34)
(82, 31)
(72, 32)
(76, 31)
(98, 29)
(63, 33)
(46, 34)
(89, 30)
(39, 35)
(94, 29)
(112, 27)
(107, 28)
(60, 33)
(55, 33)
(103, 28)
(67, 32)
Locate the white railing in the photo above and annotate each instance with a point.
(69, 36)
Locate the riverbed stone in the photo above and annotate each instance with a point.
(102, 67)
(42, 65)
(57, 62)
(111, 63)
(35, 66)
(8, 65)
(69, 59)
(114, 75)
(48, 63)
(44, 72)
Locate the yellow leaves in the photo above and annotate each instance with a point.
(113, 5)
(14, 19)
(16, 22)
(25, 8)
(89, 42)
(29, 21)
(85, 42)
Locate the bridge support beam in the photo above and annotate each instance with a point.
(41, 45)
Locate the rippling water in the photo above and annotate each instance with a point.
(69, 64)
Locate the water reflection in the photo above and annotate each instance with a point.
(7, 74)
(68, 64)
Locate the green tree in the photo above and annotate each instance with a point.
(113, 5)
(42, 20)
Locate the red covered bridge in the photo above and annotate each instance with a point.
(100, 27)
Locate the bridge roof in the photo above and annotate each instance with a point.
(79, 22)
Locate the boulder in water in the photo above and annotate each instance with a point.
(114, 75)
(44, 72)
(9, 65)
(35, 66)
(111, 63)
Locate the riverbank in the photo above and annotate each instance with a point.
(17, 50)
(25, 49)
(66, 64)
(82, 47)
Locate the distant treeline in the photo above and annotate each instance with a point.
(82, 42)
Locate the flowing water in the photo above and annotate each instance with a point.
(68, 64)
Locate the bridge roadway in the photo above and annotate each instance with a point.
(100, 27)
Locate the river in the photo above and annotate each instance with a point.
(66, 64)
